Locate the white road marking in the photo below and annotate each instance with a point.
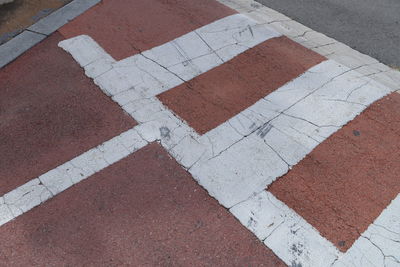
(46, 186)
(241, 157)
(237, 160)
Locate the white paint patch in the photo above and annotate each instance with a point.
(234, 35)
(94, 60)
(25, 197)
(244, 169)
(5, 212)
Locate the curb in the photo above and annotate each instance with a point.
(12, 49)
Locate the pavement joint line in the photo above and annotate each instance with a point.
(192, 150)
(218, 152)
(34, 34)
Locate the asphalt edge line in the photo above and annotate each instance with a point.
(35, 33)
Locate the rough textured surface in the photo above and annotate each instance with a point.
(369, 26)
(347, 181)
(216, 96)
(50, 112)
(16, 16)
(143, 211)
(122, 34)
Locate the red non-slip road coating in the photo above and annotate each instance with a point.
(347, 181)
(217, 95)
(126, 27)
(145, 210)
(50, 112)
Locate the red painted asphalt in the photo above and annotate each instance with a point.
(219, 94)
(144, 210)
(50, 112)
(126, 27)
(347, 181)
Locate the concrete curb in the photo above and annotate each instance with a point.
(41, 29)
(318, 42)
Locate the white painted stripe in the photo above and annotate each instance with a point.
(93, 57)
(46, 186)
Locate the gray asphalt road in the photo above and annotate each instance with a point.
(369, 26)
